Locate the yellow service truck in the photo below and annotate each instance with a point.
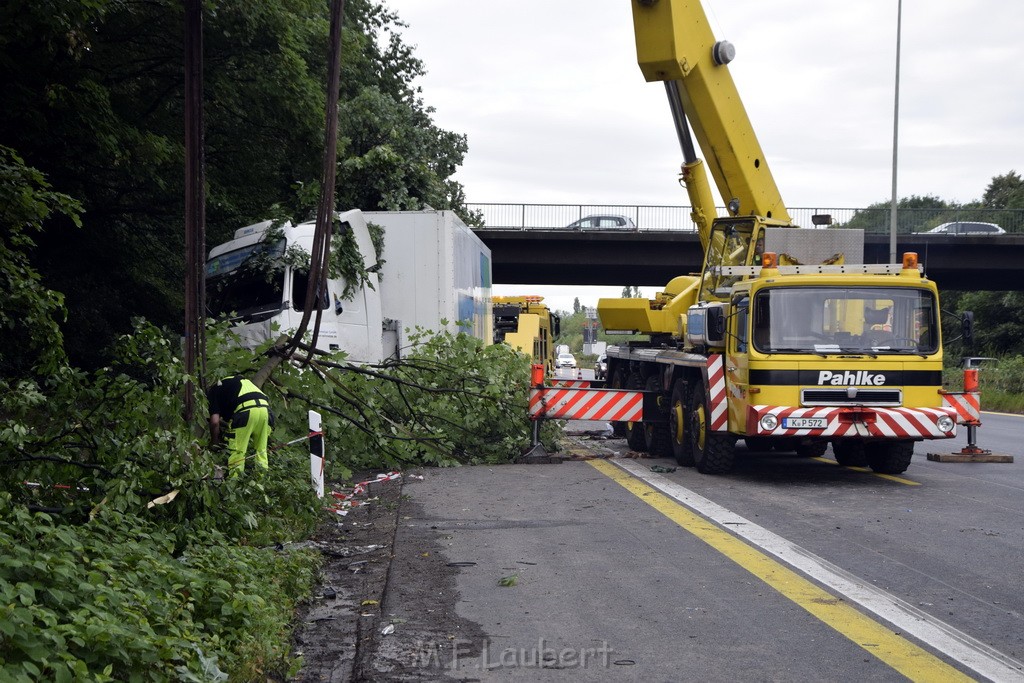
(785, 339)
(527, 324)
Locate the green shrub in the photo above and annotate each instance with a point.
(110, 600)
(100, 585)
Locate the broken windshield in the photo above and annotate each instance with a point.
(246, 284)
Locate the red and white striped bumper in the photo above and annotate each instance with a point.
(855, 421)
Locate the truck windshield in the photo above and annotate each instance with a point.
(823, 320)
(245, 284)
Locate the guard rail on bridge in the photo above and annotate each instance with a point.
(677, 218)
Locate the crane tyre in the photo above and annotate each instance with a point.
(656, 434)
(758, 444)
(811, 449)
(618, 382)
(713, 452)
(849, 453)
(679, 434)
(786, 444)
(635, 430)
(892, 457)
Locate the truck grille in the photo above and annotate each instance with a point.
(851, 396)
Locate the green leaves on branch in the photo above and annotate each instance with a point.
(29, 312)
(108, 601)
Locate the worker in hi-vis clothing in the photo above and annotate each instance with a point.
(239, 411)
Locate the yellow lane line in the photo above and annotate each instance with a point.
(890, 477)
(899, 653)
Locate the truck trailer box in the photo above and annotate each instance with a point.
(435, 269)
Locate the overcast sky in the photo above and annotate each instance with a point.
(557, 111)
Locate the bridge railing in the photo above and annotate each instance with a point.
(650, 218)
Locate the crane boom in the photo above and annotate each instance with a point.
(674, 43)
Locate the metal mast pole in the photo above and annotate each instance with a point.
(895, 137)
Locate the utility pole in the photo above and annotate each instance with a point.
(195, 204)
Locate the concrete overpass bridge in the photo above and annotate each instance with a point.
(652, 258)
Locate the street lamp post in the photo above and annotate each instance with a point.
(895, 136)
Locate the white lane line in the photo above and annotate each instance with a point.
(953, 643)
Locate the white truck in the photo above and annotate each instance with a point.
(435, 273)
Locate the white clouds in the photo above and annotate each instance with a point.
(555, 108)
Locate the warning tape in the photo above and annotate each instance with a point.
(37, 485)
(311, 435)
(345, 500)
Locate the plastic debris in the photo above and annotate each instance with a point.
(387, 630)
(346, 500)
(661, 469)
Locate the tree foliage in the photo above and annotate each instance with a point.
(29, 312)
(94, 99)
(1005, 192)
(116, 515)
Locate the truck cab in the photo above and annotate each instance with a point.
(258, 280)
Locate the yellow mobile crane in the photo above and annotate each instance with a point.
(790, 357)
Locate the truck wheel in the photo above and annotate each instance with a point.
(787, 444)
(713, 452)
(892, 457)
(656, 434)
(635, 430)
(849, 453)
(758, 444)
(811, 449)
(618, 382)
(678, 433)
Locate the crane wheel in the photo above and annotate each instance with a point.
(635, 430)
(849, 453)
(656, 434)
(892, 457)
(758, 444)
(811, 449)
(678, 433)
(713, 452)
(618, 381)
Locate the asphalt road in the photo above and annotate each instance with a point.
(787, 569)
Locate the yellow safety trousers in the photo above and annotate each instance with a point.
(255, 417)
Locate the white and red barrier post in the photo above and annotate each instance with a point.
(317, 454)
(967, 404)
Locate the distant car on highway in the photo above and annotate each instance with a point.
(966, 228)
(603, 222)
(565, 360)
(977, 362)
(601, 367)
